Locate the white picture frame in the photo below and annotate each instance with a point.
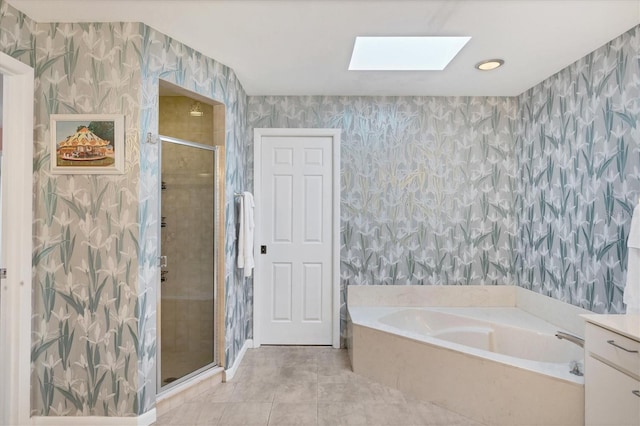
(87, 143)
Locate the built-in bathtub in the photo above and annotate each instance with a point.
(487, 352)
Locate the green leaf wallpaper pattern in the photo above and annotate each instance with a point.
(85, 347)
(578, 162)
(169, 60)
(535, 191)
(426, 185)
(94, 346)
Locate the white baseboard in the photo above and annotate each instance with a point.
(229, 373)
(145, 419)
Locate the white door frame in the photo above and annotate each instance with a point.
(17, 190)
(258, 286)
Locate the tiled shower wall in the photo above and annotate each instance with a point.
(175, 120)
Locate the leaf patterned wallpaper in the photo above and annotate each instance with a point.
(535, 190)
(166, 59)
(578, 162)
(427, 185)
(95, 237)
(86, 352)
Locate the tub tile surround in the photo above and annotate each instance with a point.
(304, 386)
(484, 390)
(418, 295)
(552, 310)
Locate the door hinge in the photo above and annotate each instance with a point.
(3, 273)
(162, 261)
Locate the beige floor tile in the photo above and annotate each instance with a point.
(433, 415)
(333, 356)
(376, 392)
(256, 373)
(165, 419)
(246, 413)
(254, 392)
(255, 358)
(338, 414)
(297, 424)
(297, 392)
(337, 392)
(293, 413)
(210, 413)
(184, 415)
(304, 386)
(219, 393)
(297, 374)
(390, 414)
(336, 376)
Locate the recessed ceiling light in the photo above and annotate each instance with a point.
(404, 53)
(490, 64)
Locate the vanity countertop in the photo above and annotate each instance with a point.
(626, 325)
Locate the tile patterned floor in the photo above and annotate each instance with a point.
(305, 386)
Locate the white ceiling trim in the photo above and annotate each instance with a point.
(303, 47)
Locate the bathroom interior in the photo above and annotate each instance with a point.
(534, 191)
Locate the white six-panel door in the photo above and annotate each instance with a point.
(296, 280)
(16, 235)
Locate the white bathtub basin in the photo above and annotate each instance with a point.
(500, 365)
(507, 331)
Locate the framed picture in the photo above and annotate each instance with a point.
(87, 144)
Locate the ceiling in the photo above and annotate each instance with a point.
(303, 47)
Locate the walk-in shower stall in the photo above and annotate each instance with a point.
(192, 179)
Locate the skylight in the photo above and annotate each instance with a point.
(405, 53)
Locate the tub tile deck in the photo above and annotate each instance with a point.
(278, 386)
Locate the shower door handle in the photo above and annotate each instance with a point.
(162, 261)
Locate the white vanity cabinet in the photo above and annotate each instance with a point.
(612, 370)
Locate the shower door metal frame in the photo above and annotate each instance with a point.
(217, 187)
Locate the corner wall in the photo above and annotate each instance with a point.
(536, 190)
(164, 58)
(95, 236)
(578, 161)
(426, 185)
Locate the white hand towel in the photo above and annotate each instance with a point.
(632, 288)
(245, 239)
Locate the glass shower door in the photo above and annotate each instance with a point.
(187, 344)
